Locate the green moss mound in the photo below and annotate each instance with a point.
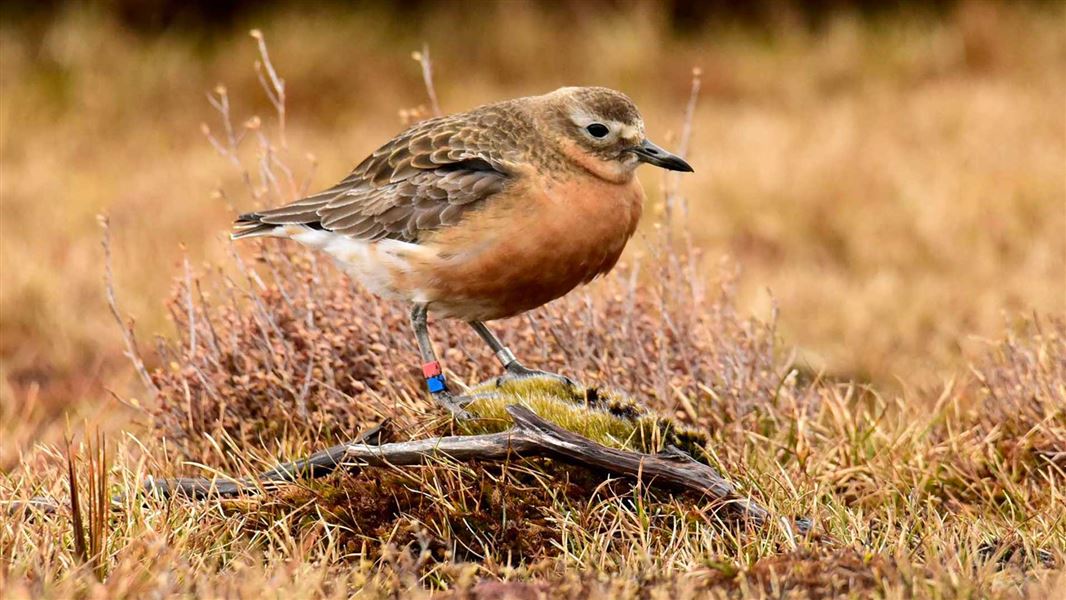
(606, 417)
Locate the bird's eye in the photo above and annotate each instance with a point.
(597, 130)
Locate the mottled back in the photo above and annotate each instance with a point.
(424, 178)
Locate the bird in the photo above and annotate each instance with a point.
(484, 214)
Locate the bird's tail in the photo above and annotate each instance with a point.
(251, 225)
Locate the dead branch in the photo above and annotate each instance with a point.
(275, 89)
(318, 464)
(427, 78)
(128, 336)
(533, 436)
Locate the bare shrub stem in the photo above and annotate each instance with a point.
(128, 336)
(427, 77)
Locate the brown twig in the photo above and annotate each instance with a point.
(128, 336)
(275, 89)
(219, 100)
(427, 78)
(671, 180)
(190, 305)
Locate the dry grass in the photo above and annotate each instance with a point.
(898, 185)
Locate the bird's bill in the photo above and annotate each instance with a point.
(654, 155)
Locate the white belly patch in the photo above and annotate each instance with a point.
(375, 264)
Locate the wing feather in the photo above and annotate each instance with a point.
(427, 177)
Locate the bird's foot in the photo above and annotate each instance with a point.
(454, 404)
(516, 370)
(438, 388)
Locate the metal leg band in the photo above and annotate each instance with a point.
(505, 356)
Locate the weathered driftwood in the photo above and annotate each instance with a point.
(534, 436)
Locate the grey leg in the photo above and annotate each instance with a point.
(513, 369)
(431, 369)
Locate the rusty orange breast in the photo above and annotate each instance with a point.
(529, 246)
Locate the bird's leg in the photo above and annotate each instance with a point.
(512, 368)
(431, 369)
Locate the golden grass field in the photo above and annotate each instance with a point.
(890, 192)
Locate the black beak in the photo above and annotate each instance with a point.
(654, 155)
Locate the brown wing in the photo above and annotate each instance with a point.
(427, 177)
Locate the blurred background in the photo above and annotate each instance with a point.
(891, 175)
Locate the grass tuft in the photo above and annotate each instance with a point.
(90, 507)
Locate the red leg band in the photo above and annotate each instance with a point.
(431, 369)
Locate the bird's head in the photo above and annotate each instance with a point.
(602, 130)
